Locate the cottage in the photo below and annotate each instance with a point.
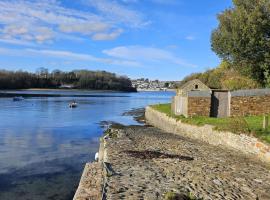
(186, 99)
(193, 85)
(194, 98)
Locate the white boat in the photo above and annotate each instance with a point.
(73, 105)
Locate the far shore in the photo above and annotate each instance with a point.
(63, 89)
(155, 90)
(86, 90)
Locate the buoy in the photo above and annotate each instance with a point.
(96, 157)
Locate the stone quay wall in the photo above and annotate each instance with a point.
(199, 106)
(92, 179)
(246, 144)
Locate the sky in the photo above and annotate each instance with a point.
(156, 39)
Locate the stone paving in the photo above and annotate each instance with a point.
(175, 163)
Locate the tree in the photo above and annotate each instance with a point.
(42, 72)
(243, 38)
(82, 79)
(223, 77)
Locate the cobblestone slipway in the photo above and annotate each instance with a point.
(175, 163)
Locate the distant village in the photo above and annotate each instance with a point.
(143, 84)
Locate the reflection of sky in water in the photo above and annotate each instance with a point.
(43, 136)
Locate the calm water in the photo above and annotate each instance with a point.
(44, 144)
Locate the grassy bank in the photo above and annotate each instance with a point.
(250, 125)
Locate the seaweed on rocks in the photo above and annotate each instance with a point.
(156, 154)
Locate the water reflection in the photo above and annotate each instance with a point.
(44, 144)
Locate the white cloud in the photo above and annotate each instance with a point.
(44, 20)
(190, 37)
(107, 36)
(118, 13)
(84, 28)
(162, 2)
(66, 55)
(15, 30)
(130, 1)
(63, 54)
(16, 42)
(146, 54)
(172, 46)
(166, 2)
(81, 57)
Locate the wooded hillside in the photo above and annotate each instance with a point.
(80, 79)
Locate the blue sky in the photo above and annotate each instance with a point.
(156, 39)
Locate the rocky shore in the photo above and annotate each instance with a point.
(143, 162)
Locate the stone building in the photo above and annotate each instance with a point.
(192, 98)
(193, 85)
(196, 99)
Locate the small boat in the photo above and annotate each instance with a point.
(73, 105)
(20, 98)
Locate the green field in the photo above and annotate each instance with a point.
(250, 125)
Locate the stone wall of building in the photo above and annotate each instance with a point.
(199, 106)
(199, 103)
(249, 105)
(250, 102)
(241, 142)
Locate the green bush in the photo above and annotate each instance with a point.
(234, 81)
(223, 77)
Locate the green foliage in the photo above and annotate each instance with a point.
(81, 79)
(175, 196)
(236, 82)
(164, 108)
(224, 77)
(22, 80)
(171, 196)
(243, 38)
(110, 133)
(246, 125)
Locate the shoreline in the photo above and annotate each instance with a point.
(153, 90)
(144, 162)
(243, 143)
(65, 89)
(87, 90)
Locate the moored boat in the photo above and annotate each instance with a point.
(19, 98)
(73, 105)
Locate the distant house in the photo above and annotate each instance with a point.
(194, 98)
(66, 86)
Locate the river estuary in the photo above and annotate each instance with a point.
(44, 144)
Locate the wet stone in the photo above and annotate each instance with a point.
(149, 163)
